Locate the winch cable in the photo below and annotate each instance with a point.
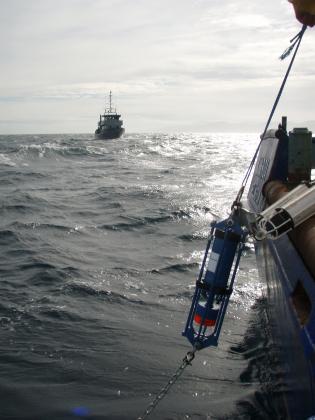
(295, 42)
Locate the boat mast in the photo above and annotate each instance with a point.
(110, 101)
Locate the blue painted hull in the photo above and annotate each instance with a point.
(281, 267)
(290, 289)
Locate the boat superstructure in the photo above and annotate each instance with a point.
(109, 124)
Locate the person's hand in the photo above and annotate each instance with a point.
(304, 17)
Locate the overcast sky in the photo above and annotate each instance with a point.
(173, 65)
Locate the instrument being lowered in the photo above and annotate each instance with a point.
(215, 283)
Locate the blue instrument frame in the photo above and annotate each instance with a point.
(201, 337)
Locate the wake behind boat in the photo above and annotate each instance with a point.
(110, 124)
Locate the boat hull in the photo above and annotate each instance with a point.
(290, 288)
(112, 133)
(282, 269)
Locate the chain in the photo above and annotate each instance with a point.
(186, 361)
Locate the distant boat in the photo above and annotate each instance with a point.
(109, 124)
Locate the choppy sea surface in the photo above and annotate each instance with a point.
(100, 247)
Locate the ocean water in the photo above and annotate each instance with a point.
(101, 244)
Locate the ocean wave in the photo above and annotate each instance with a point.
(180, 296)
(58, 314)
(178, 268)
(199, 235)
(6, 161)
(24, 199)
(18, 208)
(71, 148)
(134, 223)
(48, 150)
(19, 226)
(81, 290)
(112, 194)
(14, 177)
(48, 275)
(8, 236)
(137, 222)
(16, 315)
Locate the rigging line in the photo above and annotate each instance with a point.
(293, 41)
(296, 42)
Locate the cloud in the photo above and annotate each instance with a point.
(63, 57)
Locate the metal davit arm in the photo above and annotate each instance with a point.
(286, 213)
